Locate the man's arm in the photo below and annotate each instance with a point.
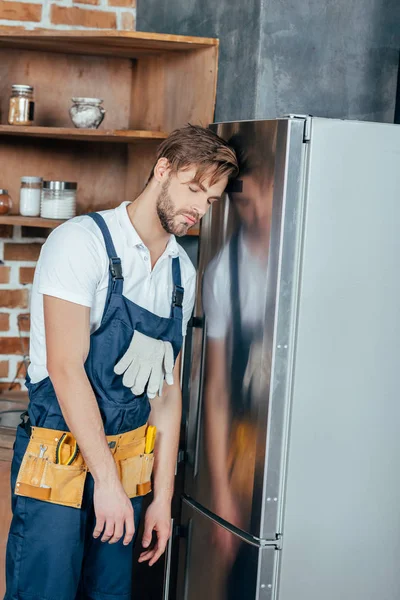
(216, 417)
(67, 327)
(166, 416)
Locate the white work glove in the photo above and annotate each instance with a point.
(147, 361)
(168, 363)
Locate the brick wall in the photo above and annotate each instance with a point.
(68, 14)
(19, 250)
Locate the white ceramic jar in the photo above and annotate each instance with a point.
(87, 113)
(30, 196)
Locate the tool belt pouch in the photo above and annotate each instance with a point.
(41, 478)
(135, 469)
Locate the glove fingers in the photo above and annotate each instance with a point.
(128, 357)
(123, 364)
(161, 385)
(154, 380)
(131, 373)
(169, 363)
(141, 379)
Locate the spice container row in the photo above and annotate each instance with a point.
(85, 113)
(47, 199)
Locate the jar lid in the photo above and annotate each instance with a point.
(22, 88)
(31, 179)
(82, 100)
(3, 192)
(59, 185)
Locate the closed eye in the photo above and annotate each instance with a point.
(193, 190)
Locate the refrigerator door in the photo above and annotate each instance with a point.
(216, 564)
(342, 519)
(237, 415)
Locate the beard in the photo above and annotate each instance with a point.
(167, 214)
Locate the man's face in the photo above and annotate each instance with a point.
(254, 205)
(182, 202)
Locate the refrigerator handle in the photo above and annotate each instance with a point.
(200, 399)
(187, 559)
(167, 570)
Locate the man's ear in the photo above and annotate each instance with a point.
(162, 170)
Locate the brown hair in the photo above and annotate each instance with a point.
(194, 145)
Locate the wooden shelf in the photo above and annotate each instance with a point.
(84, 135)
(151, 84)
(30, 221)
(130, 44)
(48, 223)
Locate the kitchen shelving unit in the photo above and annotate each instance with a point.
(150, 84)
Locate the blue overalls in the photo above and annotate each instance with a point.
(51, 552)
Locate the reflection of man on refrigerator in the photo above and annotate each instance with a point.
(237, 369)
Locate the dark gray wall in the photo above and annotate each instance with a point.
(335, 58)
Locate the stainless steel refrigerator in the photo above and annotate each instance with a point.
(292, 456)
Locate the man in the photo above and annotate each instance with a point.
(112, 295)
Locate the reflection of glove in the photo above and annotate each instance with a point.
(142, 363)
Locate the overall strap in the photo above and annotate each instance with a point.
(240, 345)
(116, 280)
(178, 292)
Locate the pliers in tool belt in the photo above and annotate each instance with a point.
(73, 455)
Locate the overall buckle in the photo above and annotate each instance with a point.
(116, 268)
(177, 298)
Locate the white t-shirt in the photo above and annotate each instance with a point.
(73, 265)
(217, 291)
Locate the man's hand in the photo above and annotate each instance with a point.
(114, 512)
(158, 518)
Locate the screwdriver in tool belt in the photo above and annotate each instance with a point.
(150, 439)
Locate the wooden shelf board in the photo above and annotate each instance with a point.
(49, 223)
(30, 221)
(84, 135)
(129, 44)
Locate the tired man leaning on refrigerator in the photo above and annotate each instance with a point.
(112, 296)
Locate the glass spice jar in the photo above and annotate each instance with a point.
(5, 202)
(30, 196)
(22, 105)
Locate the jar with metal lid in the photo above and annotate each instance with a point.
(5, 202)
(30, 196)
(58, 199)
(22, 105)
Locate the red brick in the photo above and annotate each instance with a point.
(26, 274)
(125, 3)
(6, 231)
(21, 370)
(94, 2)
(21, 251)
(80, 17)
(4, 321)
(13, 345)
(4, 274)
(4, 366)
(128, 21)
(24, 321)
(5, 386)
(20, 11)
(14, 299)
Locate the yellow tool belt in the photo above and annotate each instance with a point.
(53, 470)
